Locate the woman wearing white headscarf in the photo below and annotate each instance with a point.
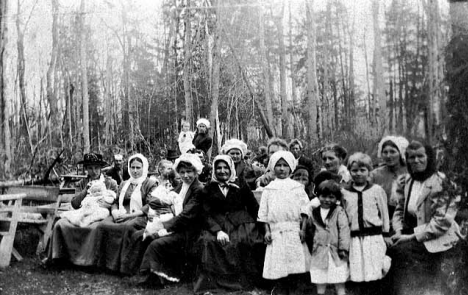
(231, 246)
(202, 140)
(128, 214)
(392, 152)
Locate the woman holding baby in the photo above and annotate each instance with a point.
(76, 243)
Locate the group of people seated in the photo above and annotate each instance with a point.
(265, 220)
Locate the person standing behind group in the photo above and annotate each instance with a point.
(296, 148)
(333, 157)
(366, 206)
(202, 141)
(237, 149)
(331, 238)
(392, 152)
(274, 144)
(280, 213)
(185, 138)
(118, 172)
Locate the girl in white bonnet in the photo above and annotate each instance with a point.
(280, 211)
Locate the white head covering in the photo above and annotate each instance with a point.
(194, 160)
(118, 157)
(287, 156)
(204, 122)
(234, 143)
(232, 169)
(401, 143)
(136, 200)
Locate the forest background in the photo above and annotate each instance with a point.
(121, 75)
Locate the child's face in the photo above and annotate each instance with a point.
(326, 201)
(282, 169)
(186, 127)
(359, 173)
(301, 176)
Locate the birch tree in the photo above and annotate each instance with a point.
(4, 101)
(312, 84)
(379, 85)
(84, 79)
(186, 74)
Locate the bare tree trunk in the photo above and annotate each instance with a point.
(282, 68)
(84, 80)
(379, 85)
(187, 55)
(267, 92)
(433, 112)
(4, 101)
(296, 130)
(312, 85)
(214, 120)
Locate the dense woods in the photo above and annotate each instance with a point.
(106, 75)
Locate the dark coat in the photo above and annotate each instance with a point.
(188, 220)
(114, 174)
(238, 207)
(202, 142)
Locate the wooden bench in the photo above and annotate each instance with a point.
(10, 206)
(40, 207)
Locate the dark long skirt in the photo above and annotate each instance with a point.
(166, 257)
(115, 239)
(414, 270)
(73, 243)
(132, 252)
(235, 266)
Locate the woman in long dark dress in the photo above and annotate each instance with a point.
(169, 252)
(75, 244)
(231, 246)
(424, 224)
(128, 216)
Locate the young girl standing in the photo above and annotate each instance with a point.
(185, 138)
(280, 211)
(366, 207)
(329, 262)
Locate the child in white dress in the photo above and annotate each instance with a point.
(91, 210)
(280, 211)
(366, 206)
(185, 138)
(331, 238)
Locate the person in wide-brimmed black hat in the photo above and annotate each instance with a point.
(93, 164)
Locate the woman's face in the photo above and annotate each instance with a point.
(93, 171)
(359, 173)
(282, 169)
(235, 155)
(296, 151)
(326, 201)
(187, 175)
(391, 156)
(417, 159)
(202, 128)
(136, 169)
(222, 171)
(331, 162)
(301, 176)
